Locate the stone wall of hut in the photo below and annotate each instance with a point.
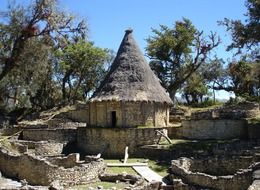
(111, 142)
(129, 114)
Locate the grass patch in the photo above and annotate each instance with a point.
(4, 142)
(254, 120)
(105, 185)
(159, 167)
(120, 170)
(144, 126)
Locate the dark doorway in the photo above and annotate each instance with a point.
(113, 118)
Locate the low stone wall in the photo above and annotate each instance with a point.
(112, 141)
(238, 111)
(212, 129)
(222, 166)
(57, 135)
(38, 171)
(173, 132)
(227, 149)
(239, 180)
(46, 148)
(61, 123)
(79, 114)
(65, 161)
(254, 130)
(256, 183)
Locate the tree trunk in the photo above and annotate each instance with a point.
(172, 94)
(64, 81)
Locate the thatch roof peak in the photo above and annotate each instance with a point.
(129, 30)
(130, 78)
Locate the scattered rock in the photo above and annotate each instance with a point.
(55, 185)
(24, 182)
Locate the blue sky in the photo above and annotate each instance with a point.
(108, 19)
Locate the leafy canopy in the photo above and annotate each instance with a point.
(176, 53)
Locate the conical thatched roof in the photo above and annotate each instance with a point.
(130, 77)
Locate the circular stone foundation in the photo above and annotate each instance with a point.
(216, 172)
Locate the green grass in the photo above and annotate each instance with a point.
(120, 170)
(159, 167)
(144, 126)
(254, 120)
(4, 142)
(105, 185)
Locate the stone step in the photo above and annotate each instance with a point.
(256, 175)
(148, 174)
(255, 185)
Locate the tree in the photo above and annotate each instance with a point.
(176, 53)
(81, 67)
(28, 37)
(195, 89)
(243, 78)
(212, 72)
(22, 82)
(202, 80)
(245, 34)
(20, 24)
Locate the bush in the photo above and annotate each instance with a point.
(207, 103)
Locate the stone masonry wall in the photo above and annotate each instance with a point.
(47, 148)
(240, 180)
(112, 141)
(238, 111)
(79, 114)
(38, 171)
(57, 135)
(220, 166)
(129, 114)
(212, 129)
(254, 130)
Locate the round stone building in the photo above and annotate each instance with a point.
(130, 95)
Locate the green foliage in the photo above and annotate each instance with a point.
(45, 59)
(243, 78)
(254, 121)
(208, 103)
(42, 19)
(176, 53)
(245, 34)
(246, 75)
(80, 67)
(194, 89)
(28, 37)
